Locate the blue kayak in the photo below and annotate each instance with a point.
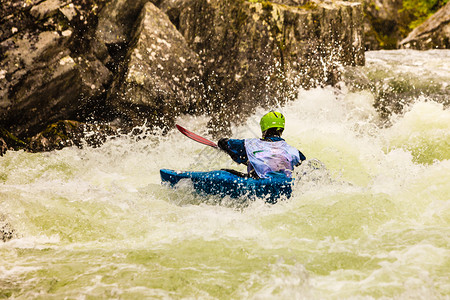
(223, 183)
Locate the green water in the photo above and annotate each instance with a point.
(97, 224)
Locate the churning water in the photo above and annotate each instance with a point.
(96, 223)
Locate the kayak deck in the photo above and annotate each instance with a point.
(223, 183)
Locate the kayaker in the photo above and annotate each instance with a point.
(265, 157)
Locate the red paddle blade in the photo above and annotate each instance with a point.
(196, 137)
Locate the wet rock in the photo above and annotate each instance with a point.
(117, 19)
(433, 33)
(47, 69)
(46, 9)
(44, 81)
(14, 17)
(9, 142)
(3, 147)
(111, 59)
(162, 78)
(259, 53)
(114, 30)
(7, 232)
(69, 133)
(68, 11)
(383, 23)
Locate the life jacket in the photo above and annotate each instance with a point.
(265, 157)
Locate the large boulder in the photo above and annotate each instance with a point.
(114, 30)
(163, 75)
(433, 33)
(117, 20)
(45, 76)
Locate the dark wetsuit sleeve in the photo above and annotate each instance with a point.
(235, 148)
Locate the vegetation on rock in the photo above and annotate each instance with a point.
(421, 10)
(387, 22)
(434, 33)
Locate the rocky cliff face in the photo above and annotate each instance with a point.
(259, 52)
(134, 61)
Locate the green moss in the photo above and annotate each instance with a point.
(268, 5)
(309, 5)
(385, 41)
(5, 294)
(239, 20)
(61, 129)
(420, 10)
(11, 140)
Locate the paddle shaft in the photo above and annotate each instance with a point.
(196, 137)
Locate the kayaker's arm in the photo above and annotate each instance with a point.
(235, 148)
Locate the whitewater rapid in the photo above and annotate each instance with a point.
(97, 223)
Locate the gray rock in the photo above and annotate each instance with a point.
(433, 33)
(113, 33)
(16, 18)
(44, 81)
(162, 78)
(117, 19)
(46, 9)
(68, 11)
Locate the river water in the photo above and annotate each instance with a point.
(96, 223)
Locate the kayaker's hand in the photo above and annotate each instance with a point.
(223, 144)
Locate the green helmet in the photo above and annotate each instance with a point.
(272, 119)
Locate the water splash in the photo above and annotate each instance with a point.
(95, 222)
